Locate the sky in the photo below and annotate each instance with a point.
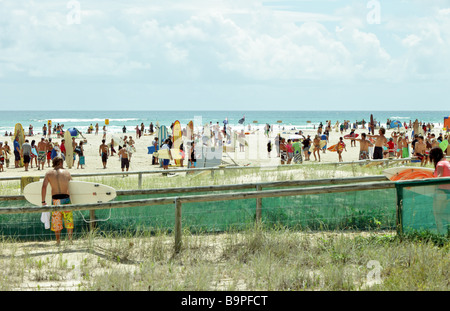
(224, 55)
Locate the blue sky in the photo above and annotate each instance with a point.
(225, 55)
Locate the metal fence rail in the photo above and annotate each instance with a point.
(140, 174)
(260, 186)
(179, 200)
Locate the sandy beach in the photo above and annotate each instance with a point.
(255, 155)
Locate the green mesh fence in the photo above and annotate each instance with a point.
(425, 206)
(363, 210)
(29, 226)
(358, 210)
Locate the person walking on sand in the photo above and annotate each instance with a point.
(42, 153)
(59, 179)
(16, 152)
(316, 144)
(340, 148)
(26, 154)
(103, 151)
(124, 161)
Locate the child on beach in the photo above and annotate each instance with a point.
(81, 159)
(340, 148)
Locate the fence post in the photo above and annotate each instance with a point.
(140, 181)
(398, 223)
(91, 220)
(258, 206)
(177, 225)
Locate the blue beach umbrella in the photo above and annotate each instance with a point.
(73, 131)
(396, 124)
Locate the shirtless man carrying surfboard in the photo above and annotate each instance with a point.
(59, 179)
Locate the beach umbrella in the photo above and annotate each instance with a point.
(294, 136)
(396, 124)
(73, 131)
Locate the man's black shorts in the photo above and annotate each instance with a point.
(26, 158)
(378, 153)
(125, 163)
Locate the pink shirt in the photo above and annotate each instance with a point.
(289, 148)
(446, 172)
(445, 166)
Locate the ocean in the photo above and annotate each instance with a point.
(130, 119)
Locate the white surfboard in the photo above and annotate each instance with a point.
(163, 154)
(81, 192)
(69, 149)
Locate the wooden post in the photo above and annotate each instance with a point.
(399, 222)
(91, 220)
(140, 181)
(258, 206)
(177, 225)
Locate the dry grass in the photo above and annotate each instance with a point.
(262, 260)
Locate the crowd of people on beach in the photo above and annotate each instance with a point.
(372, 146)
(293, 149)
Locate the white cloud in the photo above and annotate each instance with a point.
(210, 41)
